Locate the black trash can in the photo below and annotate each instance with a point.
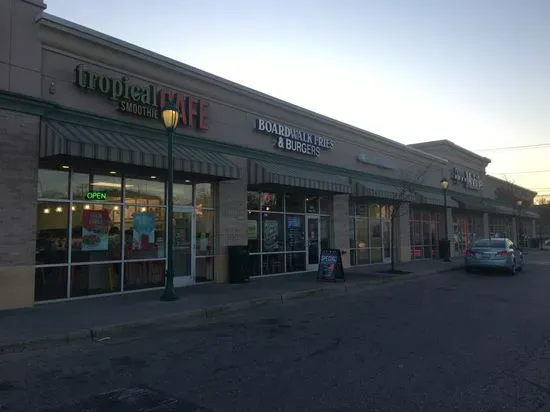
(444, 248)
(239, 266)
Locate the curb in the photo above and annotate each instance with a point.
(193, 316)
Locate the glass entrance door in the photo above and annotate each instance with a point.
(386, 240)
(184, 246)
(313, 245)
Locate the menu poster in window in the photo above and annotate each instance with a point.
(294, 233)
(271, 235)
(143, 225)
(330, 265)
(95, 230)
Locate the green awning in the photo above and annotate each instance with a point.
(436, 199)
(363, 188)
(71, 139)
(261, 172)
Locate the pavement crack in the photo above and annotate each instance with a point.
(332, 346)
(540, 387)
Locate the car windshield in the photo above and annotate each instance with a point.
(492, 243)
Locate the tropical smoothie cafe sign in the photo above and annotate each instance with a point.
(291, 139)
(143, 101)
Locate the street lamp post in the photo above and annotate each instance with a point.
(519, 203)
(170, 116)
(444, 183)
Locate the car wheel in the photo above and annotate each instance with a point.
(513, 269)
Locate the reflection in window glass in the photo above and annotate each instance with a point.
(96, 233)
(145, 232)
(52, 223)
(95, 279)
(53, 184)
(204, 268)
(205, 195)
(312, 204)
(144, 275)
(295, 202)
(272, 202)
(205, 233)
(183, 194)
(272, 232)
(50, 283)
(144, 192)
(295, 262)
(324, 205)
(274, 263)
(253, 200)
(82, 183)
(253, 231)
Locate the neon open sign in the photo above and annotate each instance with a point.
(96, 195)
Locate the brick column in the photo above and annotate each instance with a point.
(515, 231)
(18, 184)
(402, 234)
(485, 224)
(340, 226)
(232, 223)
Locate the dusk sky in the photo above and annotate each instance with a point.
(476, 72)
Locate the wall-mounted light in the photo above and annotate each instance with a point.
(153, 177)
(115, 208)
(187, 181)
(144, 209)
(65, 166)
(46, 211)
(112, 172)
(87, 207)
(59, 209)
(73, 208)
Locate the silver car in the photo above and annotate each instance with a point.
(493, 253)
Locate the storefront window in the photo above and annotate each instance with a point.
(272, 232)
(277, 234)
(183, 194)
(205, 195)
(425, 233)
(144, 275)
(144, 192)
(53, 184)
(145, 232)
(295, 233)
(294, 203)
(52, 224)
(312, 204)
(324, 205)
(253, 202)
(82, 183)
(272, 202)
(95, 279)
(96, 233)
(366, 238)
(253, 232)
(50, 283)
(205, 233)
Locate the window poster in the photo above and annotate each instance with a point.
(95, 230)
(271, 235)
(143, 224)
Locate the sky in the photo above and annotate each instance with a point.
(476, 72)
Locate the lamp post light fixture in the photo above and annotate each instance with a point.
(170, 116)
(444, 184)
(519, 203)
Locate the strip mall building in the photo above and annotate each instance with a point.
(83, 169)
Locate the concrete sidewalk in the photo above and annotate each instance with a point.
(54, 323)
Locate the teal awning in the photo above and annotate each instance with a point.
(71, 139)
(261, 172)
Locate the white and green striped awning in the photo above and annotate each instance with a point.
(71, 139)
(261, 172)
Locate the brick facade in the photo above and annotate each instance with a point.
(18, 184)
